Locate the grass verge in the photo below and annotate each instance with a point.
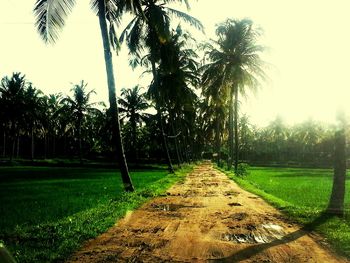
(300, 205)
(55, 240)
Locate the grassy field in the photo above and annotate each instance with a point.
(46, 213)
(303, 195)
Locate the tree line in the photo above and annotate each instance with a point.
(195, 98)
(35, 125)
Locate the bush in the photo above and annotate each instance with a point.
(242, 169)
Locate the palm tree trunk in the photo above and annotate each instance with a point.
(4, 143)
(79, 140)
(17, 150)
(176, 146)
(53, 146)
(32, 144)
(236, 130)
(336, 202)
(230, 132)
(128, 186)
(134, 139)
(217, 140)
(184, 149)
(45, 145)
(164, 141)
(160, 119)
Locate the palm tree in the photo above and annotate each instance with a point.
(12, 93)
(50, 19)
(150, 30)
(177, 76)
(235, 65)
(51, 121)
(33, 108)
(132, 104)
(79, 107)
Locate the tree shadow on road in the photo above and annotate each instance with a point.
(251, 251)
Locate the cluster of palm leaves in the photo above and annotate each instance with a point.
(233, 65)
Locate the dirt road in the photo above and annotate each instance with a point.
(208, 218)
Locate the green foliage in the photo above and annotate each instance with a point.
(242, 169)
(303, 195)
(50, 212)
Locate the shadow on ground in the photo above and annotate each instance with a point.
(251, 251)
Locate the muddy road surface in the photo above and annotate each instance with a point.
(206, 218)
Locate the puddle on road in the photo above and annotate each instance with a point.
(172, 207)
(234, 204)
(265, 233)
(231, 193)
(238, 216)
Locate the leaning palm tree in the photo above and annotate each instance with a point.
(234, 65)
(50, 19)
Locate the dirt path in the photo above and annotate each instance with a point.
(206, 218)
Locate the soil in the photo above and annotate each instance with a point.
(206, 218)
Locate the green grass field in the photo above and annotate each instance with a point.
(308, 189)
(302, 194)
(46, 213)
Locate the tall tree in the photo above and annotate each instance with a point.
(12, 91)
(33, 103)
(150, 30)
(50, 19)
(132, 104)
(78, 107)
(234, 65)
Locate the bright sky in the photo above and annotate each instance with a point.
(309, 42)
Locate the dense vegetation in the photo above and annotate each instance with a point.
(35, 125)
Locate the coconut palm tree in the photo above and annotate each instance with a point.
(51, 121)
(177, 77)
(79, 106)
(50, 19)
(12, 93)
(234, 65)
(133, 104)
(34, 107)
(150, 31)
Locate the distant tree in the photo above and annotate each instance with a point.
(53, 122)
(132, 105)
(79, 106)
(12, 91)
(33, 110)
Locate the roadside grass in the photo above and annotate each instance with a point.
(46, 213)
(302, 194)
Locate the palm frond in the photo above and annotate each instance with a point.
(50, 17)
(187, 18)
